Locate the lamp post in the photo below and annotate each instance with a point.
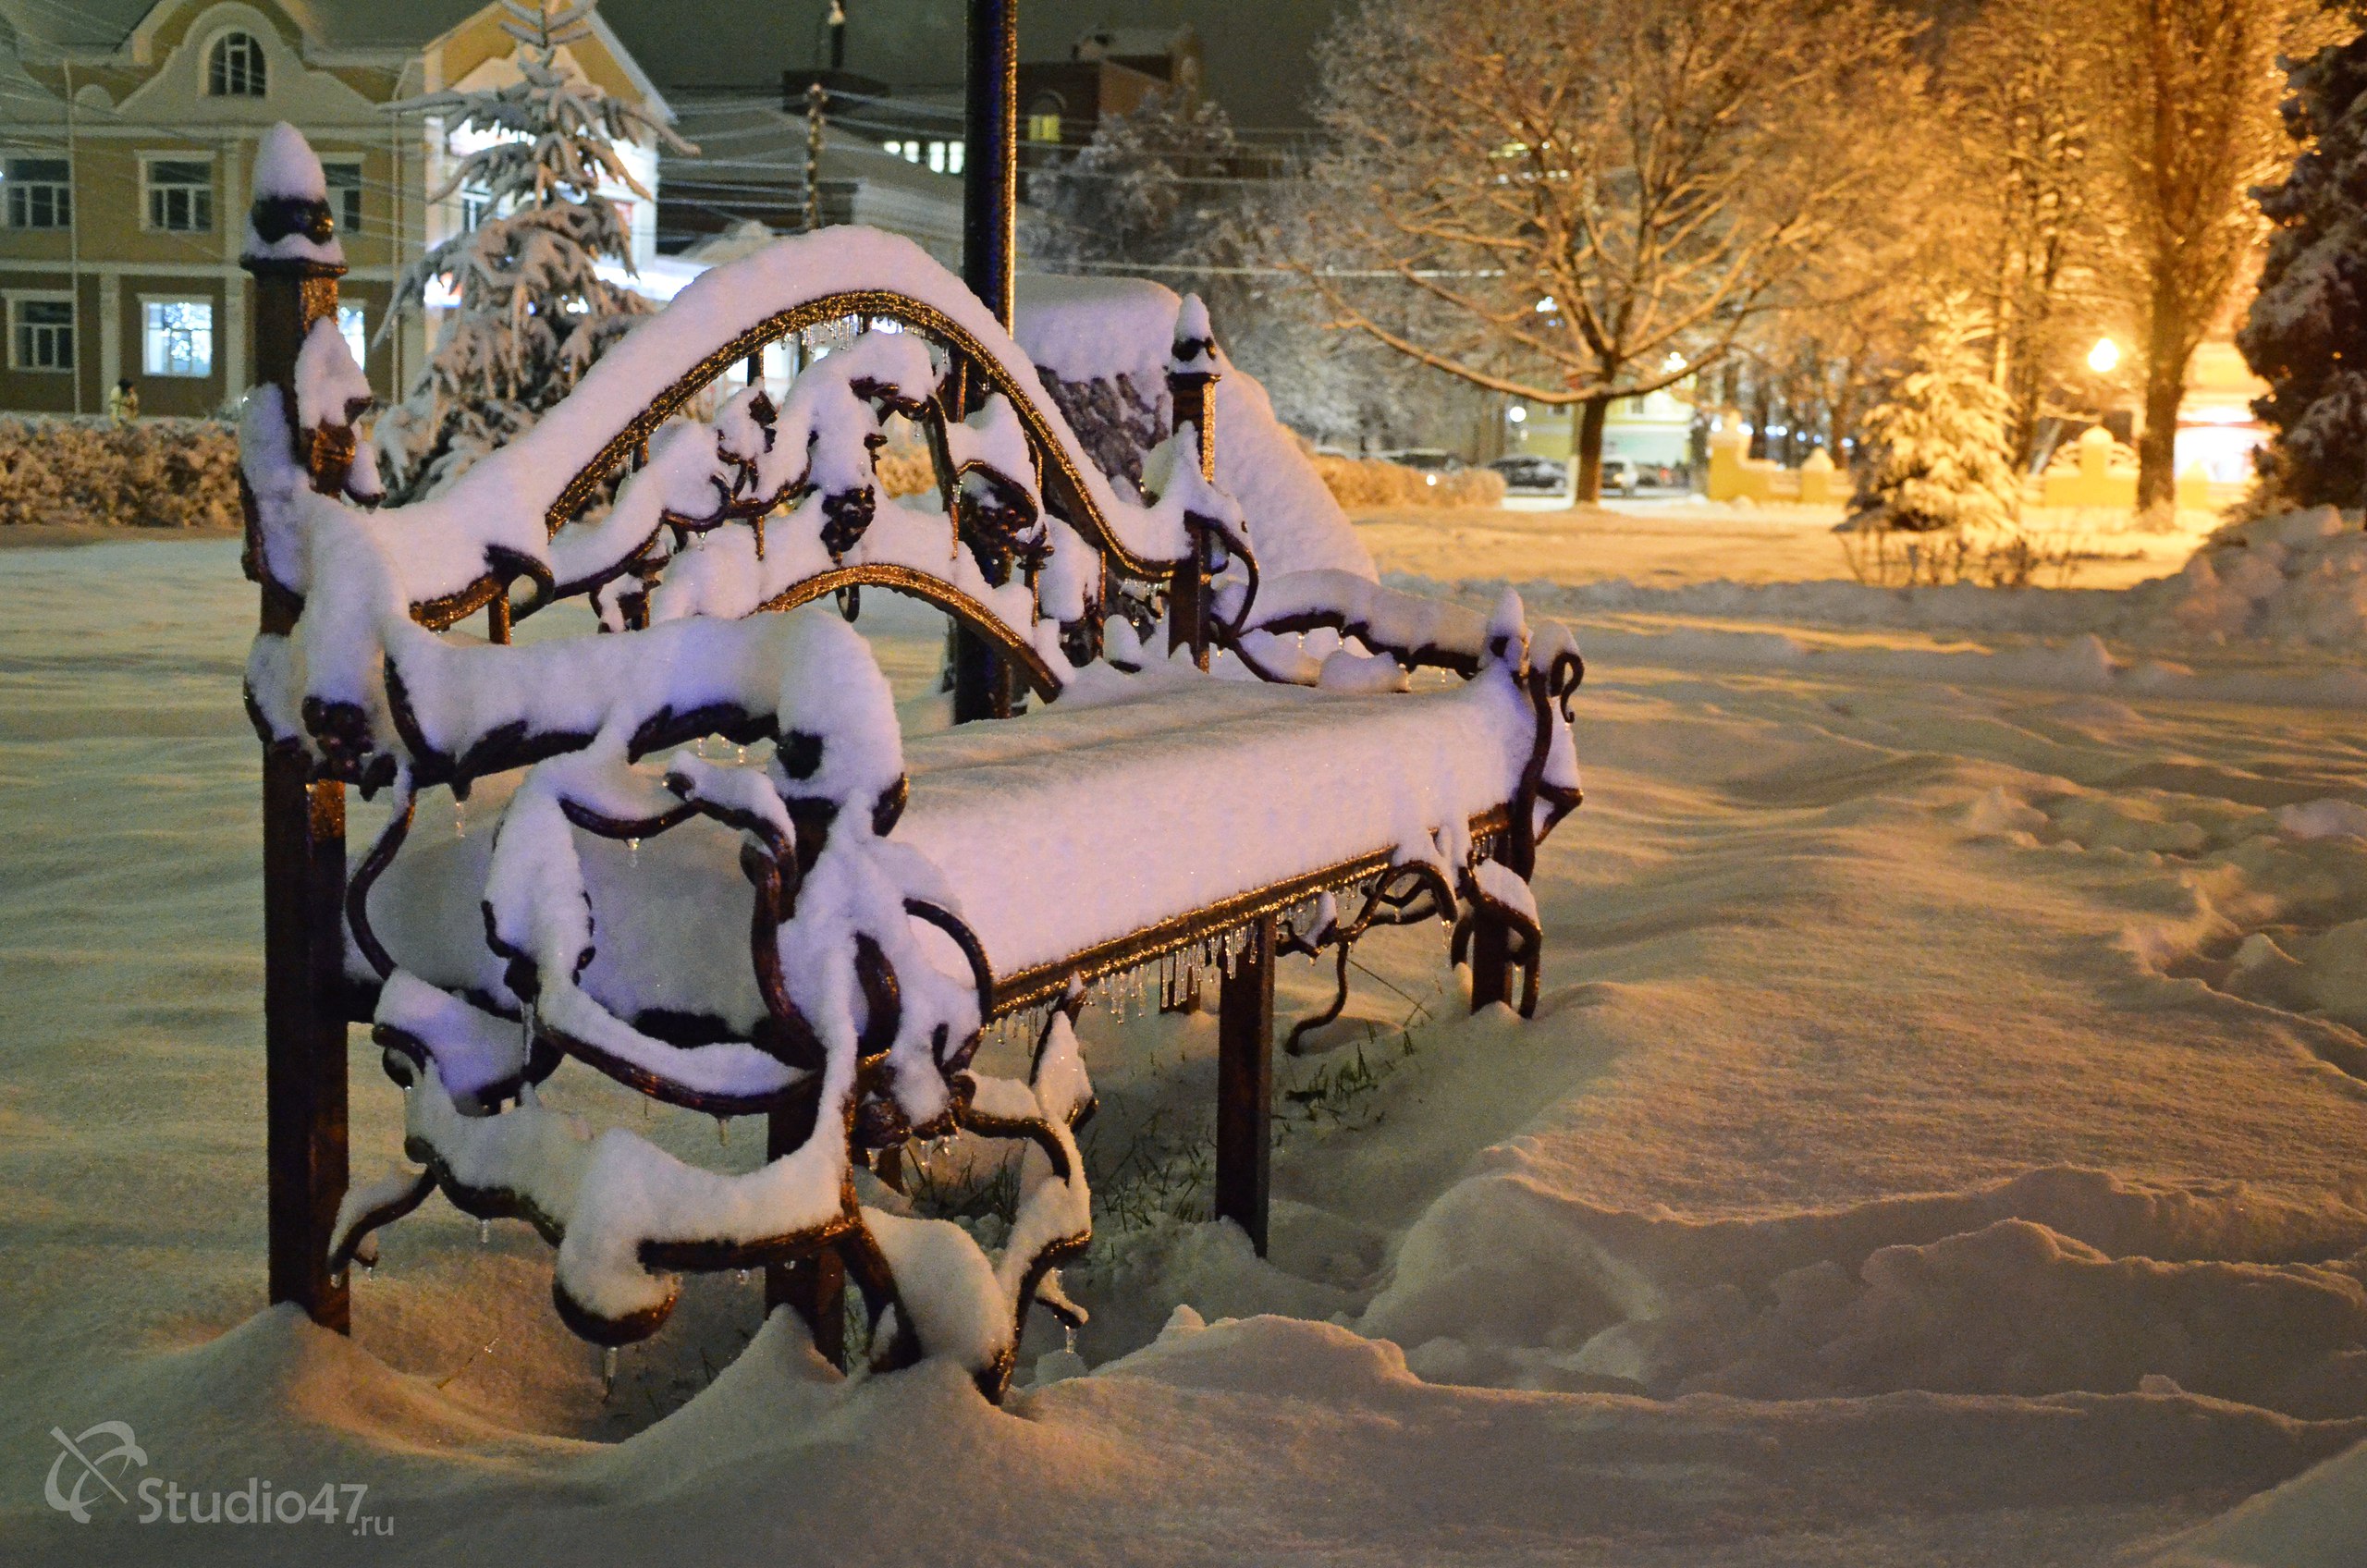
(989, 244)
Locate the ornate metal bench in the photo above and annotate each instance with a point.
(819, 936)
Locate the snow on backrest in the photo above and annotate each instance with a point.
(1100, 345)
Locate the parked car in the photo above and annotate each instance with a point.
(1430, 459)
(1618, 476)
(1525, 473)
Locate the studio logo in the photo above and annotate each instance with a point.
(98, 1463)
(78, 1476)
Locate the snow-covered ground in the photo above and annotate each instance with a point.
(1938, 1142)
(1663, 540)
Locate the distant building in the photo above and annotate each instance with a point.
(752, 168)
(124, 160)
(1110, 71)
(1654, 430)
(893, 155)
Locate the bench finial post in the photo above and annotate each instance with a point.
(292, 251)
(1193, 370)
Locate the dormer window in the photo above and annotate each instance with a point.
(235, 68)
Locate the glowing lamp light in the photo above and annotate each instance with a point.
(2103, 356)
(1516, 413)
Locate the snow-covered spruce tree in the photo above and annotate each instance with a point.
(531, 310)
(1938, 446)
(1153, 185)
(2306, 333)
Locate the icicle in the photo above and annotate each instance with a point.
(741, 1276)
(607, 1371)
(739, 757)
(485, 1231)
(1070, 1343)
(460, 817)
(633, 851)
(722, 1132)
(527, 1095)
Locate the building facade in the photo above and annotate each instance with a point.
(123, 171)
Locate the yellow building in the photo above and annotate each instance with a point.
(125, 150)
(1655, 429)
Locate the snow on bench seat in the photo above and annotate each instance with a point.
(1088, 822)
(1131, 802)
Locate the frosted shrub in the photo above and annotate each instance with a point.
(156, 473)
(1937, 499)
(1375, 482)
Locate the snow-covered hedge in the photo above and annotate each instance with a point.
(1375, 482)
(154, 474)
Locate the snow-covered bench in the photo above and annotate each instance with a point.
(820, 933)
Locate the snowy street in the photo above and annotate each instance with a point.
(1938, 1142)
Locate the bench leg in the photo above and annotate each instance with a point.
(304, 1013)
(1245, 1083)
(816, 1286)
(1491, 959)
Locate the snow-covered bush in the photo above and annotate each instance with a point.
(152, 473)
(1939, 448)
(532, 311)
(1376, 482)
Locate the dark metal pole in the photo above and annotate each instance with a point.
(990, 166)
(989, 247)
(304, 874)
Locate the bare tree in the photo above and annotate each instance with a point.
(2189, 93)
(1599, 195)
(2031, 218)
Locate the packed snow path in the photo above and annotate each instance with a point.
(1948, 943)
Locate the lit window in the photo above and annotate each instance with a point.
(181, 195)
(344, 194)
(354, 327)
(41, 192)
(178, 336)
(44, 335)
(1044, 116)
(235, 68)
(937, 157)
(476, 206)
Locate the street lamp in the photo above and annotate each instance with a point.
(2103, 356)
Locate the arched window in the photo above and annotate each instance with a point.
(1044, 116)
(235, 68)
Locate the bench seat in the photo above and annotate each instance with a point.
(1134, 803)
